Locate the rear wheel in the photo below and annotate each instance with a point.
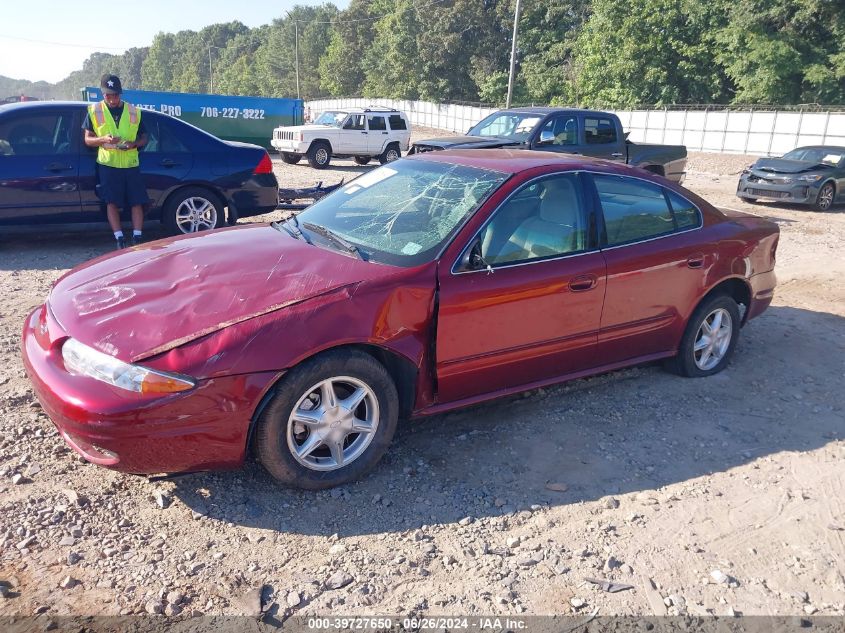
(330, 421)
(291, 159)
(709, 339)
(319, 155)
(391, 153)
(825, 198)
(192, 209)
(362, 160)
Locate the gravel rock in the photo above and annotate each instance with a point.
(161, 499)
(293, 599)
(68, 582)
(719, 577)
(338, 580)
(154, 607)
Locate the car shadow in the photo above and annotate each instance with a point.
(629, 431)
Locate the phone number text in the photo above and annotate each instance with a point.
(232, 113)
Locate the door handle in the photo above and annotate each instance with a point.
(169, 163)
(385, 133)
(58, 167)
(695, 261)
(582, 283)
(616, 155)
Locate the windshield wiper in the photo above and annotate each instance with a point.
(334, 237)
(297, 233)
(281, 227)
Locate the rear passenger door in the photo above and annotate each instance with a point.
(656, 266)
(378, 134)
(39, 166)
(602, 139)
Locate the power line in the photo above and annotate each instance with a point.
(89, 46)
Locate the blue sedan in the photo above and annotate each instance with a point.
(194, 180)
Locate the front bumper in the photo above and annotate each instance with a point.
(288, 146)
(752, 186)
(202, 429)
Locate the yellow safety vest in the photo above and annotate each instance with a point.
(103, 123)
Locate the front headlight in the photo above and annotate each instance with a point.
(810, 178)
(86, 361)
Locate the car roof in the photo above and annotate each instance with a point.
(36, 105)
(837, 148)
(544, 110)
(511, 161)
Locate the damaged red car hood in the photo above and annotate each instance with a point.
(148, 300)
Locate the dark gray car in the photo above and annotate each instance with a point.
(807, 175)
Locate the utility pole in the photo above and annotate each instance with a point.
(513, 55)
(296, 52)
(211, 72)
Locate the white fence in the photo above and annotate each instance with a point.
(760, 132)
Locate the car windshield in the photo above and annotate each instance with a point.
(827, 156)
(330, 117)
(403, 214)
(513, 125)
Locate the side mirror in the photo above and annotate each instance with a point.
(472, 259)
(546, 138)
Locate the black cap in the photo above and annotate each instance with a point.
(110, 85)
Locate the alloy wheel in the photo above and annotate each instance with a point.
(333, 423)
(713, 339)
(196, 214)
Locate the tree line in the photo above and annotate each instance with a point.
(599, 53)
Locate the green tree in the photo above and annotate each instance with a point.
(649, 52)
(157, 68)
(785, 51)
(342, 71)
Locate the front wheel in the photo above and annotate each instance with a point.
(709, 339)
(319, 155)
(291, 159)
(391, 153)
(329, 422)
(192, 209)
(825, 198)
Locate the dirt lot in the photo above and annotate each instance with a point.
(722, 495)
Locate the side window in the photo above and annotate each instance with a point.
(547, 218)
(376, 122)
(563, 128)
(397, 122)
(354, 122)
(38, 135)
(685, 212)
(151, 126)
(598, 131)
(633, 209)
(168, 139)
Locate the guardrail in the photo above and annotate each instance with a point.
(763, 132)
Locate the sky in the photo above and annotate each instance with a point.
(48, 40)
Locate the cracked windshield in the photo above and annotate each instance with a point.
(403, 213)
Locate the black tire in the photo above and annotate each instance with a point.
(749, 200)
(390, 153)
(827, 194)
(192, 209)
(291, 159)
(362, 160)
(685, 363)
(276, 431)
(319, 155)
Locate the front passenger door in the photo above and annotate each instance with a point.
(530, 310)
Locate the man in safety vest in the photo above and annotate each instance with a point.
(117, 130)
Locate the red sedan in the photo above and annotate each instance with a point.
(428, 284)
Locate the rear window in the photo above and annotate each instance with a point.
(376, 123)
(599, 131)
(397, 122)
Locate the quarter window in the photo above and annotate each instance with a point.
(544, 219)
(685, 212)
(633, 210)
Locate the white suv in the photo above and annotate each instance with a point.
(362, 133)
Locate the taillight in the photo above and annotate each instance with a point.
(265, 165)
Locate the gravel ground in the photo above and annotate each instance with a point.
(716, 496)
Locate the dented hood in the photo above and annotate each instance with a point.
(787, 166)
(147, 300)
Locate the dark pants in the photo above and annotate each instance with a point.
(122, 186)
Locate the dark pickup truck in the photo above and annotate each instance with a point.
(586, 132)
